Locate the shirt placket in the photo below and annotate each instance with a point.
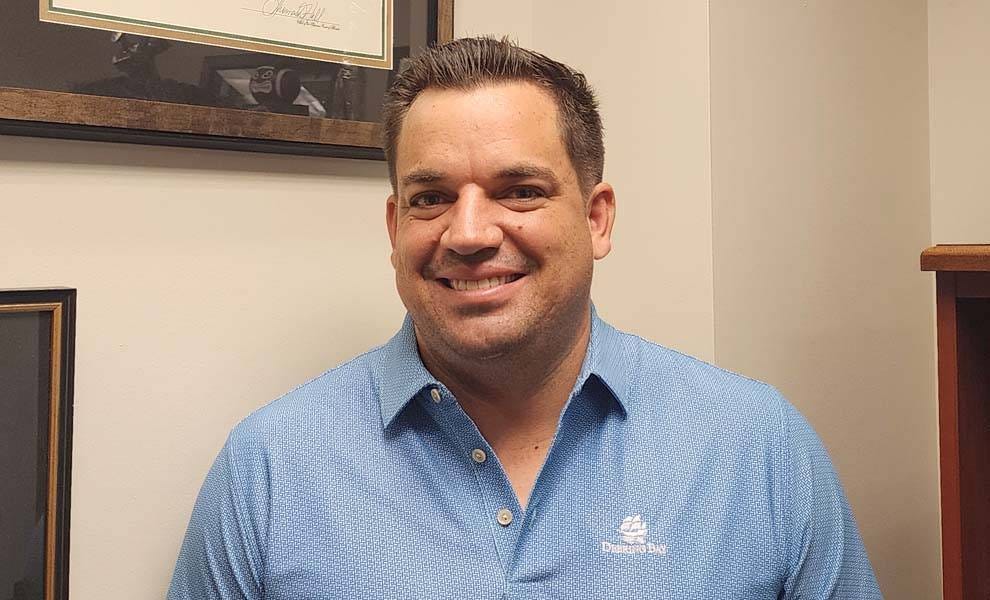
(500, 511)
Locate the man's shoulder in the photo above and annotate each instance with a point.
(671, 384)
(655, 363)
(332, 401)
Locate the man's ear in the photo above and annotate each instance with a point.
(601, 217)
(391, 218)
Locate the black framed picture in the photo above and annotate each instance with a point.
(37, 331)
(66, 81)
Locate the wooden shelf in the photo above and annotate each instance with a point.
(963, 257)
(963, 314)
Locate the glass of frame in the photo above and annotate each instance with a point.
(65, 81)
(37, 330)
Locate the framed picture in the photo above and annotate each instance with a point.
(37, 331)
(351, 31)
(68, 81)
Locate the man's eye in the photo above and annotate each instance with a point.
(426, 200)
(524, 193)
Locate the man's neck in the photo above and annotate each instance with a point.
(524, 383)
(516, 400)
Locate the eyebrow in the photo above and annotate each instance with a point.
(520, 171)
(422, 176)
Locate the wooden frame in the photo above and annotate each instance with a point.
(57, 308)
(44, 113)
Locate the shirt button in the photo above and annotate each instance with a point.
(504, 517)
(479, 455)
(435, 394)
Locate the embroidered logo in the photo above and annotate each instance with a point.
(633, 532)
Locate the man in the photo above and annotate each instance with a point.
(507, 443)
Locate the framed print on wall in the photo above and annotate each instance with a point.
(37, 331)
(271, 89)
(358, 32)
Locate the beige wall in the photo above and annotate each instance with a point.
(511, 18)
(649, 62)
(820, 210)
(211, 282)
(959, 58)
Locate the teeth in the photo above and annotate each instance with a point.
(478, 284)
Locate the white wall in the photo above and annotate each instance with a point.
(211, 282)
(959, 58)
(820, 204)
(509, 18)
(649, 62)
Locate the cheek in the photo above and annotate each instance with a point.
(558, 246)
(413, 250)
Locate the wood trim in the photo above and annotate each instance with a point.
(975, 257)
(106, 111)
(445, 20)
(120, 135)
(30, 307)
(948, 423)
(54, 418)
(66, 375)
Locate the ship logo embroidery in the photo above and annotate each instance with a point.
(633, 532)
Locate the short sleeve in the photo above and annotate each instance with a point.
(825, 557)
(221, 557)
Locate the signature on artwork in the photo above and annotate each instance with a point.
(305, 13)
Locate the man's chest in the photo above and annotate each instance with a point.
(434, 524)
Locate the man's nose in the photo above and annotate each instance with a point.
(473, 224)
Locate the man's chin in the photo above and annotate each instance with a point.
(479, 346)
(487, 336)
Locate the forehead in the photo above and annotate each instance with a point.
(482, 129)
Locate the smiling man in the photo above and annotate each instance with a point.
(507, 443)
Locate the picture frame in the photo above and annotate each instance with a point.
(37, 351)
(49, 90)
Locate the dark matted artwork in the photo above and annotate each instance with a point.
(37, 330)
(65, 81)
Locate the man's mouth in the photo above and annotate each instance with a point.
(463, 285)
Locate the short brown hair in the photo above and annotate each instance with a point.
(468, 63)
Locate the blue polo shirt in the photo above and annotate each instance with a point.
(667, 478)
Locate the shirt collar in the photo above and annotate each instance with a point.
(607, 361)
(401, 374)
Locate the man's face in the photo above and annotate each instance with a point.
(492, 240)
